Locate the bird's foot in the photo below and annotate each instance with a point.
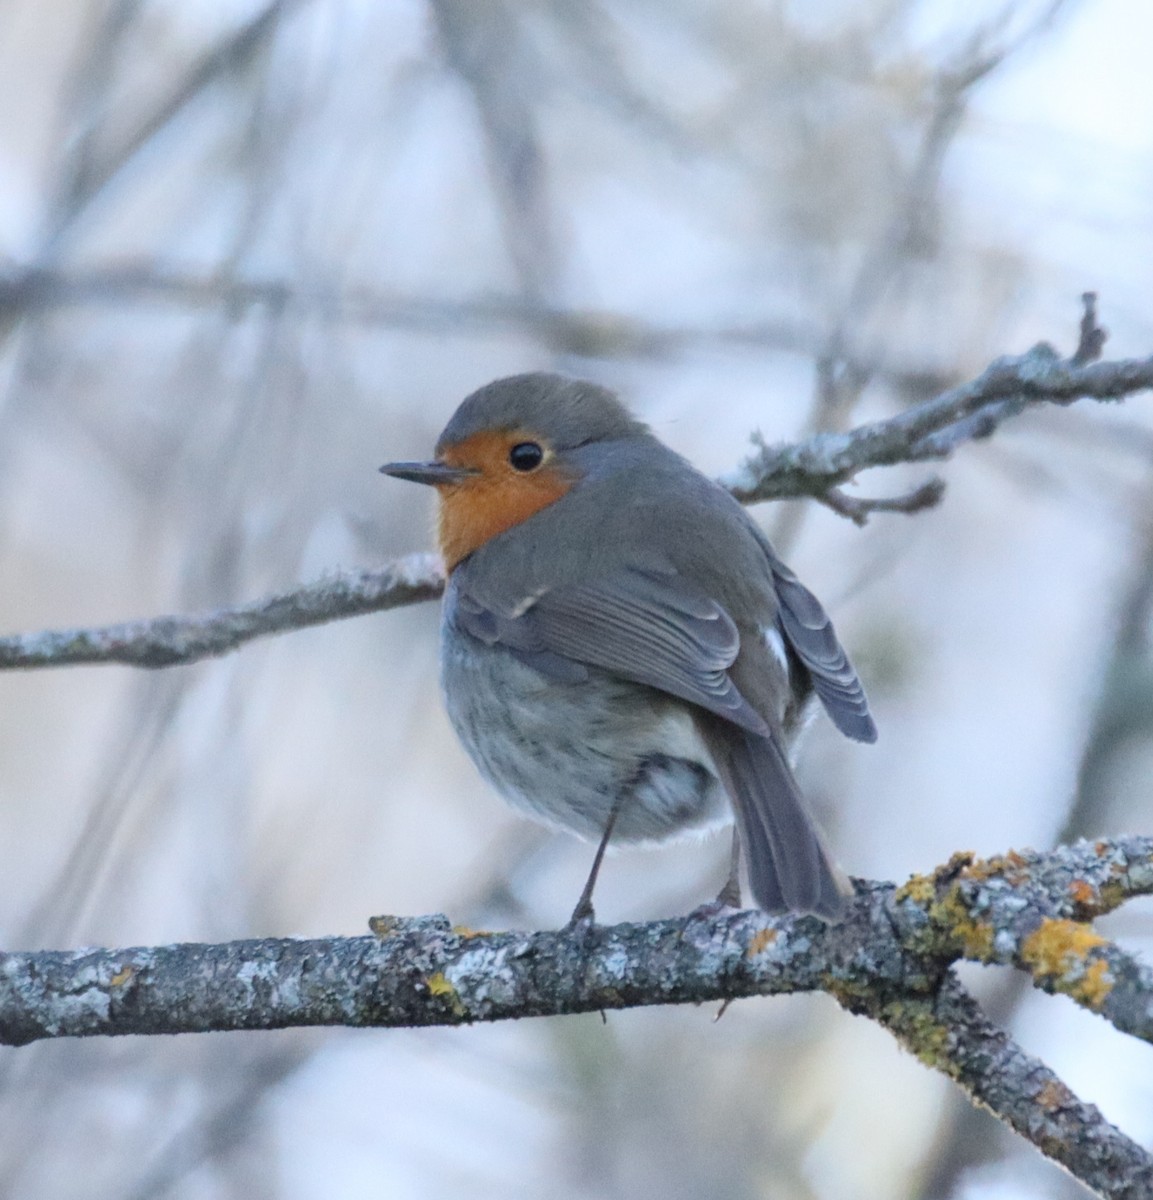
(583, 919)
(728, 900)
(726, 904)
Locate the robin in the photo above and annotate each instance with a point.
(623, 653)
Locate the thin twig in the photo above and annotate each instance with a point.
(859, 508)
(232, 54)
(936, 428)
(1092, 340)
(172, 641)
(588, 332)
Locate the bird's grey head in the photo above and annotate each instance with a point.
(565, 412)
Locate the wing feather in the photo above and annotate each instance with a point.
(650, 627)
(808, 630)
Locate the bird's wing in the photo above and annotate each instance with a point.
(644, 625)
(807, 629)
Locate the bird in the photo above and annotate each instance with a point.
(623, 653)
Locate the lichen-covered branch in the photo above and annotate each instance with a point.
(949, 1032)
(815, 468)
(1032, 911)
(890, 960)
(170, 641)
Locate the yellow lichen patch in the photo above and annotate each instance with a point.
(976, 937)
(920, 889)
(383, 926)
(930, 1043)
(850, 993)
(1054, 1095)
(1058, 950)
(463, 931)
(1058, 945)
(439, 985)
(981, 869)
(1096, 985)
(1008, 866)
(914, 1022)
(122, 976)
(761, 940)
(953, 928)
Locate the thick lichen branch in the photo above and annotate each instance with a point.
(949, 1032)
(890, 960)
(1032, 911)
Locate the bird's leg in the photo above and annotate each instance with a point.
(584, 906)
(730, 895)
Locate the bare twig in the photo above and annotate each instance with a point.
(859, 508)
(1092, 340)
(233, 53)
(170, 641)
(586, 332)
(483, 45)
(890, 960)
(936, 428)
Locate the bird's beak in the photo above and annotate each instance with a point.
(435, 473)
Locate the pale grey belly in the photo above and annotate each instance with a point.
(563, 753)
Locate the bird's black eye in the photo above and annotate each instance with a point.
(526, 456)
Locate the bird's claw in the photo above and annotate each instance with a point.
(583, 919)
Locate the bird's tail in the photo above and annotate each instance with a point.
(790, 869)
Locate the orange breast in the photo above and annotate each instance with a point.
(487, 504)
